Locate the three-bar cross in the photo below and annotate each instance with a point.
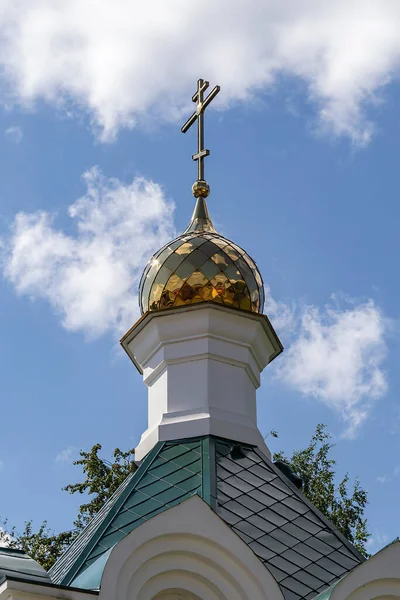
(198, 114)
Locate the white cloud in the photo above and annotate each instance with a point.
(382, 479)
(282, 315)
(376, 542)
(336, 356)
(124, 59)
(14, 134)
(66, 456)
(91, 278)
(388, 478)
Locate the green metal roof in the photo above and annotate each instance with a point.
(15, 563)
(295, 542)
(172, 472)
(326, 594)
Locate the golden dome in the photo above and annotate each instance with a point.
(199, 266)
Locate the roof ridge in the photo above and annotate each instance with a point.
(66, 576)
(57, 571)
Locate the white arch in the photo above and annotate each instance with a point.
(190, 587)
(175, 594)
(190, 549)
(380, 589)
(376, 578)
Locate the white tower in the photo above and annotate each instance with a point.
(202, 341)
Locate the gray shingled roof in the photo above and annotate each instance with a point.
(295, 542)
(15, 563)
(298, 545)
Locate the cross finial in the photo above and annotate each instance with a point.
(201, 187)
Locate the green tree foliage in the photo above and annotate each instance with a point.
(317, 468)
(101, 478)
(101, 481)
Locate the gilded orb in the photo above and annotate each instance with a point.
(201, 266)
(200, 188)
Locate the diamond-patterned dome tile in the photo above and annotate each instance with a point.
(199, 267)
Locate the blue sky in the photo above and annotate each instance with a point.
(95, 176)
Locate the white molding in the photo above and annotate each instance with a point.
(27, 590)
(204, 356)
(208, 336)
(142, 322)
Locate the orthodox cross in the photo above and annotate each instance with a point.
(198, 114)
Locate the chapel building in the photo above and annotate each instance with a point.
(207, 514)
